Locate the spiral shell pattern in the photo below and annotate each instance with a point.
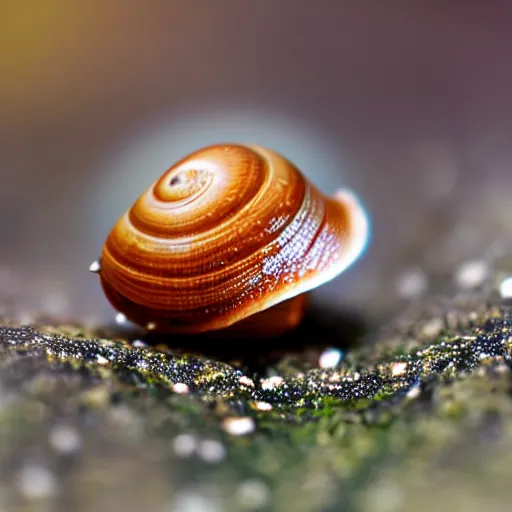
(227, 232)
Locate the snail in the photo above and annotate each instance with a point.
(231, 237)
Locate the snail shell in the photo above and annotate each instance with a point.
(224, 235)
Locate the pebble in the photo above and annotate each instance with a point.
(36, 482)
(471, 274)
(120, 319)
(432, 328)
(330, 358)
(101, 360)
(239, 426)
(398, 369)
(65, 439)
(412, 284)
(263, 406)
(184, 445)
(181, 388)
(253, 494)
(246, 381)
(506, 288)
(194, 501)
(211, 450)
(272, 382)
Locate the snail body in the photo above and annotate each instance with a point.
(231, 236)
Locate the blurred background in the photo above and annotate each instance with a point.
(406, 103)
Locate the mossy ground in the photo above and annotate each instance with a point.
(416, 417)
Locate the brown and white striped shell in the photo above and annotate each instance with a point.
(231, 235)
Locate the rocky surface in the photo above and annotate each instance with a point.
(404, 407)
(415, 415)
